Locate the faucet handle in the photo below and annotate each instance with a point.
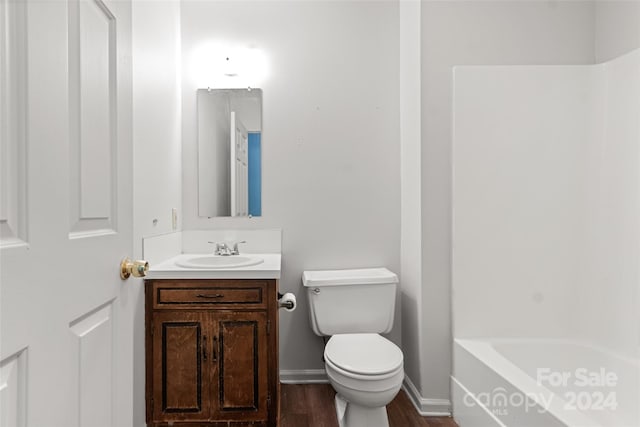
(235, 250)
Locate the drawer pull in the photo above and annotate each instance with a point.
(210, 296)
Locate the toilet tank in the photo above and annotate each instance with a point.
(351, 301)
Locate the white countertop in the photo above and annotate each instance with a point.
(268, 269)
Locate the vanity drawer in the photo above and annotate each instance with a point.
(229, 294)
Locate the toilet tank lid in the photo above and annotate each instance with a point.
(362, 276)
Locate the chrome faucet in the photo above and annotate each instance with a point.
(221, 249)
(224, 249)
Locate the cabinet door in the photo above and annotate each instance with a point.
(241, 376)
(180, 373)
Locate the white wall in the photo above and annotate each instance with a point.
(331, 149)
(157, 146)
(157, 116)
(410, 202)
(467, 33)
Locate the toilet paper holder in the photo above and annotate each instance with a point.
(284, 304)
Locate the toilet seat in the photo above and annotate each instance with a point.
(363, 354)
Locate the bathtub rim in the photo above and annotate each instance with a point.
(484, 351)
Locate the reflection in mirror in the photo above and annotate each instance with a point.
(229, 152)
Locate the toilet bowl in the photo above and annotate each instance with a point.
(366, 371)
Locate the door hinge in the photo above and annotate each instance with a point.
(268, 399)
(268, 327)
(152, 328)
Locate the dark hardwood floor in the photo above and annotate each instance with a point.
(311, 405)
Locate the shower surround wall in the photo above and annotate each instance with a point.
(546, 209)
(546, 205)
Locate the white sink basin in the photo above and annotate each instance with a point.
(217, 262)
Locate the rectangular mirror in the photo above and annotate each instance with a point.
(229, 152)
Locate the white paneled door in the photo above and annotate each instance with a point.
(66, 213)
(239, 143)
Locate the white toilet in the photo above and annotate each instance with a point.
(365, 369)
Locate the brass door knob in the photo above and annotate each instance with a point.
(133, 268)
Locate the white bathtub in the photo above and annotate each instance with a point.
(543, 383)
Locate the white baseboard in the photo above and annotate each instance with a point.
(426, 407)
(303, 376)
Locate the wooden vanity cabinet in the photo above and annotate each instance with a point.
(212, 352)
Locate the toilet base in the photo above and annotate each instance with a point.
(352, 415)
